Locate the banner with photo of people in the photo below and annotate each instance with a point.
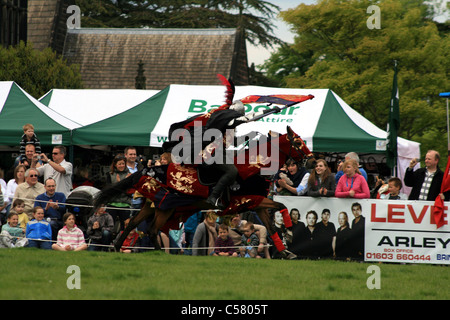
(365, 229)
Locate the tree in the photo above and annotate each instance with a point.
(37, 71)
(252, 16)
(357, 62)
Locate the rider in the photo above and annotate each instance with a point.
(223, 118)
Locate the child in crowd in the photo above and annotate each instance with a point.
(70, 237)
(19, 208)
(250, 242)
(12, 235)
(393, 190)
(224, 244)
(39, 229)
(29, 137)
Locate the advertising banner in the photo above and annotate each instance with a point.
(371, 229)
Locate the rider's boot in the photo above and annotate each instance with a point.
(221, 185)
(214, 199)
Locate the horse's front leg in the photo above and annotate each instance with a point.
(264, 215)
(160, 219)
(145, 212)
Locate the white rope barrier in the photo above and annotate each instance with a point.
(123, 247)
(144, 248)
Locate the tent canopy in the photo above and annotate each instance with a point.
(326, 123)
(18, 108)
(86, 106)
(131, 127)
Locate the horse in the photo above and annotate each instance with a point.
(177, 191)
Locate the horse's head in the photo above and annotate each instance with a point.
(293, 146)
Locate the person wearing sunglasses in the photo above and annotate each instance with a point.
(57, 168)
(29, 190)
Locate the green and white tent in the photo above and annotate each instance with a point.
(326, 123)
(17, 108)
(130, 127)
(86, 106)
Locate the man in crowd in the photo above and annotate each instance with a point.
(53, 204)
(59, 169)
(29, 190)
(425, 182)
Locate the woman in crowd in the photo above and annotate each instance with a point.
(118, 172)
(352, 184)
(19, 177)
(294, 181)
(321, 182)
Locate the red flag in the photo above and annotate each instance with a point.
(439, 203)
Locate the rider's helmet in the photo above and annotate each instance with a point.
(238, 106)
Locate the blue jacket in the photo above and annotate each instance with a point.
(50, 212)
(39, 230)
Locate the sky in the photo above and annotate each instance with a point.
(258, 55)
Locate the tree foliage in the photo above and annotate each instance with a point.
(37, 71)
(252, 16)
(357, 62)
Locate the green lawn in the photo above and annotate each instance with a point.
(38, 274)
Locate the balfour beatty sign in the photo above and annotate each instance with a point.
(201, 106)
(184, 101)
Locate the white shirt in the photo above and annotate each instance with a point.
(63, 181)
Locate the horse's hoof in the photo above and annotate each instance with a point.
(286, 254)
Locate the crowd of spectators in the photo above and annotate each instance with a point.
(33, 207)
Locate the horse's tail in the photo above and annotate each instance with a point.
(110, 192)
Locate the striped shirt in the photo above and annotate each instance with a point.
(426, 185)
(73, 237)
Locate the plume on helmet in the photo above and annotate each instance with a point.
(229, 93)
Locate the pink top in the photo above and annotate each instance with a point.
(357, 183)
(73, 237)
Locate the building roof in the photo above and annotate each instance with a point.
(108, 58)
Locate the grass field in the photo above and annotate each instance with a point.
(39, 274)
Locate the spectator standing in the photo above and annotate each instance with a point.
(299, 178)
(19, 177)
(133, 166)
(205, 235)
(352, 184)
(321, 182)
(348, 156)
(393, 190)
(425, 182)
(122, 202)
(58, 169)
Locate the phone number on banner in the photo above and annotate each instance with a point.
(397, 257)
